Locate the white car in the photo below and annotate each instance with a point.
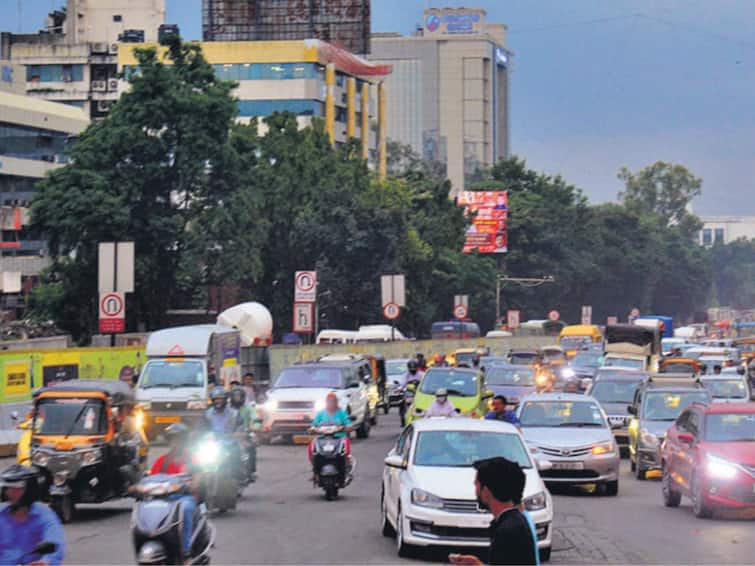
(428, 494)
(729, 387)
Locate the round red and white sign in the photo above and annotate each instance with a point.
(554, 315)
(391, 311)
(111, 305)
(305, 281)
(460, 311)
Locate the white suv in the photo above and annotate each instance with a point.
(299, 392)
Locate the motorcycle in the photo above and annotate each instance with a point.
(220, 462)
(331, 470)
(156, 522)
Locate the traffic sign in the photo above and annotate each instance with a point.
(391, 311)
(393, 290)
(304, 320)
(305, 287)
(112, 313)
(586, 314)
(554, 315)
(512, 319)
(460, 312)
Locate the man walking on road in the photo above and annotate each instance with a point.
(499, 485)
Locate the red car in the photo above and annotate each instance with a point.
(709, 456)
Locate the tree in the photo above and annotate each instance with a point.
(158, 171)
(734, 273)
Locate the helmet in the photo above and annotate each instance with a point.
(238, 397)
(218, 393)
(412, 365)
(442, 392)
(177, 432)
(26, 477)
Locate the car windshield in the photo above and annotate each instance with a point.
(523, 376)
(678, 367)
(726, 388)
(69, 415)
(172, 373)
(574, 342)
(396, 367)
(587, 360)
(561, 414)
(490, 361)
(297, 377)
(461, 449)
(628, 363)
(523, 358)
(667, 405)
(615, 391)
(553, 355)
(457, 383)
(730, 427)
(465, 358)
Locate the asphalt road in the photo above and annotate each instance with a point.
(283, 520)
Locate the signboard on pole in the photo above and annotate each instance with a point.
(489, 213)
(554, 315)
(393, 290)
(304, 320)
(112, 313)
(391, 311)
(116, 267)
(305, 287)
(461, 306)
(586, 314)
(512, 319)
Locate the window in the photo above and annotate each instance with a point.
(707, 237)
(265, 71)
(718, 236)
(54, 73)
(117, 18)
(267, 107)
(404, 442)
(32, 143)
(340, 80)
(341, 115)
(693, 422)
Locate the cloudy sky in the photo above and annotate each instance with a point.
(599, 84)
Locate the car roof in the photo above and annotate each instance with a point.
(314, 365)
(558, 396)
(444, 423)
(469, 371)
(723, 408)
(524, 351)
(637, 376)
(722, 377)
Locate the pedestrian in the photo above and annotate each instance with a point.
(248, 385)
(500, 411)
(499, 486)
(717, 369)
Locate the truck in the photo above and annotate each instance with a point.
(183, 363)
(628, 346)
(664, 323)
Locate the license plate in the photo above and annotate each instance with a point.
(302, 439)
(568, 465)
(167, 420)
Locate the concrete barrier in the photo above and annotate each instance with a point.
(9, 434)
(284, 356)
(46, 343)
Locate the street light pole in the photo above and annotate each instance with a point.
(521, 281)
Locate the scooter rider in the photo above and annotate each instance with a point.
(225, 421)
(333, 415)
(248, 414)
(25, 522)
(442, 406)
(175, 462)
(413, 375)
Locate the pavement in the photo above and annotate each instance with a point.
(283, 520)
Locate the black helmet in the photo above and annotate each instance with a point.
(218, 393)
(238, 397)
(26, 477)
(177, 432)
(412, 365)
(751, 367)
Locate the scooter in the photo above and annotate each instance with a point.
(331, 470)
(156, 522)
(221, 463)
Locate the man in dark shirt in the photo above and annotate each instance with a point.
(501, 413)
(499, 485)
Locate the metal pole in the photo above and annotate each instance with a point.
(317, 317)
(115, 284)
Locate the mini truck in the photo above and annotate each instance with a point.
(182, 364)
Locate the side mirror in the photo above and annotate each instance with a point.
(686, 437)
(395, 461)
(543, 465)
(14, 415)
(632, 410)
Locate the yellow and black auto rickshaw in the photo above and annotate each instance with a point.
(86, 437)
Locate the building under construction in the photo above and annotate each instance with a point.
(343, 22)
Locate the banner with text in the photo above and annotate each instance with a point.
(489, 213)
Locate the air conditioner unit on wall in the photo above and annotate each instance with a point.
(112, 85)
(114, 49)
(99, 86)
(99, 48)
(104, 105)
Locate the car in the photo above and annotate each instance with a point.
(428, 494)
(486, 362)
(657, 403)
(727, 387)
(714, 356)
(512, 381)
(584, 365)
(464, 357)
(571, 431)
(615, 390)
(526, 357)
(466, 390)
(709, 456)
(395, 369)
(299, 392)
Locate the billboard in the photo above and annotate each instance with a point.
(453, 21)
(489, 213)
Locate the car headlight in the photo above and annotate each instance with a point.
(422, 498)
(319, 405)
(139, 419)
(270, 405)
(720, 469)
(40, 458)
(602, 448)
(90, 457)
(648, 438)
(145, 405)
(568, 372)
(196, 405)
(536, 502)
(541, 379)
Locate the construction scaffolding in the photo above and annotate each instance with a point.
(345, 23)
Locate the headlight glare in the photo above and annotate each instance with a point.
(536, 502)
(720, 469)
(319, 405)
(270, 405)
(603, 448)
(40, 458)
(208, 453)
(422, 498)
(568, 372)
(145, 405)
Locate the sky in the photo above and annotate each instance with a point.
(597, 85)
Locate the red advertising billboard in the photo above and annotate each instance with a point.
(489, 212)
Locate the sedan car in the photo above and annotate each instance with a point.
(511, 381)
(428, 494)
(709, 456)
(572, 432)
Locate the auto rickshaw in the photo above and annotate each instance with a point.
(87, 439)
(679, 365)
(376, 392)
(746, 347)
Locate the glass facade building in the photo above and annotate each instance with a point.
(27, 142)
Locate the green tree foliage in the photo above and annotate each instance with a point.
(734, 273)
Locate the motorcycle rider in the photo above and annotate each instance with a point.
(224, 422)
(333, 415)
(248, 414)
(413, 375)
(175, 462)
(441, 407)
(25, 522)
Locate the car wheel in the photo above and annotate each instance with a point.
(671, 497)
(639, 472)
(545, 554)
(702, 511)
(364, 429)
(611, 488)
(632, 465)
(388, 530)
(404, 550)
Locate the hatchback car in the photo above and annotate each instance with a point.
(512, 381)
(466, 390)
(572, 432)
(709, 456)
(428, 494)
(727, 387)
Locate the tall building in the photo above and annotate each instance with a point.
(310, 78)
(448, 94)
(345, 23)
(73, 60)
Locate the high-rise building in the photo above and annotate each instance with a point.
(345, 23)
(73, 60)
(448, 94)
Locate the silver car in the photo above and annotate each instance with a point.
(571, 431)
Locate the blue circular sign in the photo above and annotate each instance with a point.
(432, 23)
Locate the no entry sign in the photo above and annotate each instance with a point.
(112, 313)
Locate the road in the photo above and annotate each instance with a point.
(283, 520)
